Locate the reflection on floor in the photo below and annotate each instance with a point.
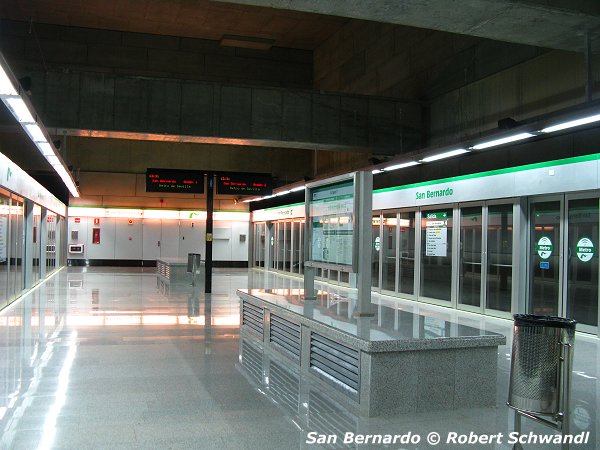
(98, 358)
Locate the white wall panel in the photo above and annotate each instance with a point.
(106, 248)
(191, 237)
(82, 236)
(151, 235)
(128, 239)
(169, 240)
(239, 249)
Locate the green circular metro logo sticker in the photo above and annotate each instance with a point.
(544, 247)
(585, 249)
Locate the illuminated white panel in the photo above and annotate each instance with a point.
(161, 214)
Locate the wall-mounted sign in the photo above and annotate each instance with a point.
(77, 220)
(244, 184)
(585, 249)
(544, 247)
(175, 181)
(377, 244)
(436, 234)
(331, 220)
(96, 221)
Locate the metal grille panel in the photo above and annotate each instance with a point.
(252, 361)
(286, 335)
(284, 386)
(336, 363)
(253, 317)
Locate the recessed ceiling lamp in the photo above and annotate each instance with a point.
(256, 43)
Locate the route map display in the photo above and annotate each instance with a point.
(331, 213)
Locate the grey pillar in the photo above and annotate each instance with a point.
(28, 250)
(363, 218)
(309, 270)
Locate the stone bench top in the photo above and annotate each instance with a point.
(370, 334)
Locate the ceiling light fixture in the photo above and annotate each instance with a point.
(502, 141)
(449, 154)
(6, 86)
(298, 188)
(572, 123)
(35, 132)
(401, 166)
(19, 109)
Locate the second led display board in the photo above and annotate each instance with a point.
(244, 184)
(175, 181)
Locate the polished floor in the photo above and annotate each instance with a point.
(100, 358)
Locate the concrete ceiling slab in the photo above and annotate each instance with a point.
(559, 24)
(185, 18)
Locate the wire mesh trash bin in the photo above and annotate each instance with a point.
(193, 266)
(540, 369)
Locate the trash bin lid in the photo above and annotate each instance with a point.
(544, 321)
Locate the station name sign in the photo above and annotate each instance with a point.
(175, 181)
(243, 183)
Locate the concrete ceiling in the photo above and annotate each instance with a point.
(558, 24)
(186, 18)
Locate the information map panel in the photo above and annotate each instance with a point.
(331, 218)
(175, 181)
(244, 184)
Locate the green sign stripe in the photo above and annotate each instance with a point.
(291, 205)
(558, 162)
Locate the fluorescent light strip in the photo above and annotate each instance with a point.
(53, 160)
(6, 86)
(19, 109)
(376, 171)
(501, 141)
(35, 132)
(572, 123)
(298, 188)
(282, 193)
(449, 154)
(45, 148)
(401, 166)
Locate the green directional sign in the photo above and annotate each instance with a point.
(437, 215)
(585, 249)
(544, 247)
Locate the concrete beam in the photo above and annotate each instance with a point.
(115, 106)
(558, 24)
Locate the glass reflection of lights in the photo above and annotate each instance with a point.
(49, 430)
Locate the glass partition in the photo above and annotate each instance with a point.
(544, 247)
(499, 257)
(388, 248)
(582, 263)
(51, 221)
(436, 254)
(375, 248)
(470, 256)
(406, 231)
(35, 275)
(15, 250)
(4, 246)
